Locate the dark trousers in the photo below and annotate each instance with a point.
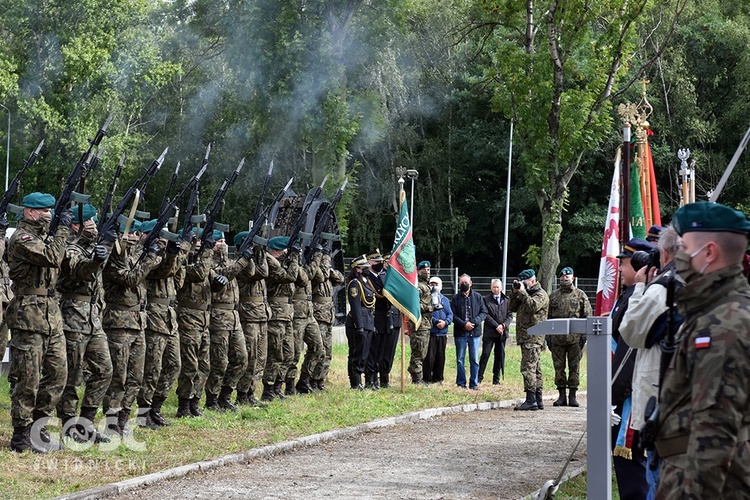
(488, 345)
(377, 346)
(359, 350)
(434, 363)
(389, 343)
(630, 474)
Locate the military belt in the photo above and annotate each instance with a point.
(163, 302)
(322, 300)
(47, 292)
(252, 300)
(679, 445)
(223, 305)
(118, 307)
(76, 296)
(201, 306)
(300, 296)
(280, 300)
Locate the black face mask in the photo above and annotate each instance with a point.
(376, 268)
(464, 287)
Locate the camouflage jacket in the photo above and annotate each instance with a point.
(194, 297)
(125, 289)
(705, 394)
(225, 299)
(302, 299)
(81, 290)
(568, 301)
(280, 282)
(530, 307)
(5, 292)
(425, 304)
(34, 267)
(161, 293)
(252, 280)
(323, 284)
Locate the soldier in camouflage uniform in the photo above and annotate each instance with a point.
(360, 321)
(162, 362)
(5, 292)
(81, 303)
(193, 317)
(282, 273)
(228, 349)
(306, 331)
(124, 321)
(704, 424)
(38, 344)
(420, 339)
(323, 311)
(568, 301)
(530, 303)
(254, 314)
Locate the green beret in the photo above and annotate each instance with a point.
(278, 242)
(710, 217)
(218, 235)
(526, 274)
(135, 226)
(38, 200)
(240, 237)
(147, 226)
(567, 270)
(423, 264)
(89, 212)
(360, 261)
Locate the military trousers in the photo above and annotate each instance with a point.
(531, 367)
(306, 333)
(194, 356)
(562, 352)
(127, 350)
(419, 342)
(40, 369)
(256, 340)
(92, 352)
(326, 336)
(280, 351)
(161, 366)
(228, 354)
(4, 331)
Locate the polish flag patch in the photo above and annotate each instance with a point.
(703, 342)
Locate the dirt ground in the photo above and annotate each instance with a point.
(498, 453)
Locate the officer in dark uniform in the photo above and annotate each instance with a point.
(390, 341)
(360, 322)
(376, 278)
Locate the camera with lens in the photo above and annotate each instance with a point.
(649, 259)
(517, 284)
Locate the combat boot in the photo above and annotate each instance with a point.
(47, 442)
(21, 440)
(112, 428)
(156, 415)
(242, 399)
(539, 400)
(255, 402)
(70, 429)
(290, 390)
(572, 400)
(303, 385)
(183, 408)
(122, 422)
(529, 404)
(144, 416)
(562, 400)
(321, 385)
(268, 393)
(212, 402)
(195, 409)
(277, 390)
(86, 422)
(225, 399)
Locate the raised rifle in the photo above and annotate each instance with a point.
(323, 227)
(259, 205)
(311, 197)
(172, 181)
(16, 182)
(79, 173)
(252, 236)
(110, 192)
(193, 199)
(214, 208)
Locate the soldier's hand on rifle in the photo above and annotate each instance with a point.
(4, 224)
(173, 248)
(221, 280)
(109, 236)
(66, 218)
(295, 249)
(101, 252)
(247, 253)
(209, 242)
(188, 236)
(155, 247)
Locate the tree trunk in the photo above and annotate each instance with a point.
(551, 210)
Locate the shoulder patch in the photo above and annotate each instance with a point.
(25, 237)
(353, 291)
(702, 342)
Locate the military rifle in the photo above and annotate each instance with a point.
(165, 200)
(260, 219)
(214, 208)
(322, 228)
(193, 199)
(311, 197)
(110, 192)
(16, 182)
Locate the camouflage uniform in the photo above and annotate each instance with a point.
(254, 314)
(162, 361)
(420, 339)
(124, 321)
(81, 303)
(323, 311)
(568, 301)
(193, 317)
(228, 351)
(37, 346)
(530, 307)
(280, 282)
(6, 294)
(306, 330)
(703, 419)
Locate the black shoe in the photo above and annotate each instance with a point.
(529, 404)
(21, 441)
(195, 409)
(572, 400)
(539, 401)
(242, 399)
(225, 402)
(212, 402)
(562, 400)
(183, 408)
(156, 415)
(303, 386)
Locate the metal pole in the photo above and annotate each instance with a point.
(411, 206)
(507, 209)
(7, 150)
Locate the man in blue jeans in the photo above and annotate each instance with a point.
(469, 312)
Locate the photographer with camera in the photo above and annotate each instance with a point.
(645, 324)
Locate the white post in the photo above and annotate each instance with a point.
(7, 150)
(507, 209)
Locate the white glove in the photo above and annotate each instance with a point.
(614, 418)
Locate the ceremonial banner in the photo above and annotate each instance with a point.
(606, 289)
(638, 227)
(401, 277)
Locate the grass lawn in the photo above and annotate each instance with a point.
(190, 440)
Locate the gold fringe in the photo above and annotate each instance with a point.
(621, 451)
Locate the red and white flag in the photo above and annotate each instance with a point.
(607, 289)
